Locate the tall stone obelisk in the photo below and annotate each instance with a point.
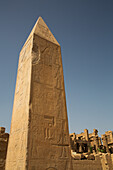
(39, 136)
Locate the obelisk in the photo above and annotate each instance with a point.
(39, 136)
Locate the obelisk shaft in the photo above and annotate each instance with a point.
(39, 138)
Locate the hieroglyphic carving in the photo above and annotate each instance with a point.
(57, 75)
(42, 143)
(56, 58)
(64, 152)
(36, 54)
(49, 123)
(63, 138)
(59, 103)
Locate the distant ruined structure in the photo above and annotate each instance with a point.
(83, 142)
(3, 147)
(91, 142)
(107, 140)
(89, 146)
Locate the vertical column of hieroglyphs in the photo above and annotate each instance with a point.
(17, 147)
(48, 134)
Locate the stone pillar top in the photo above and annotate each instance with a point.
(95, 131)
(2, 129)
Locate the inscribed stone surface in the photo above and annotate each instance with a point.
(39, 137)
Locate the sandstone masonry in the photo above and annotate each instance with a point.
(3, 147)
(39, 136)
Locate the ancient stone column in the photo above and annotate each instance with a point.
(96, 142)
(3, 147)
(86, 134)
(80, 148)
(105, 143)
(39, 136)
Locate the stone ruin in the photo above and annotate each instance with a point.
(4, 137)
(85, 142)
(107, 140)
(89, 146)
(90, 142)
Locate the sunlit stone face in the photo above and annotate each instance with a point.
(39, 138)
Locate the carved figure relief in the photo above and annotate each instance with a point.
(57, 77)
(49, 123)
(59, 103)
(36, 54)
(62, 138)
(64, 152)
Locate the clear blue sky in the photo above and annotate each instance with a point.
(84, 29)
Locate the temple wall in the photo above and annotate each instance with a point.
(87, 165)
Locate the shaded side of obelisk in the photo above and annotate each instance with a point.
(39, 129)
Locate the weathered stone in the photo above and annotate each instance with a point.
(3, 147)
(99, 157)
(85, 142)
(87, 165)
(107, 140)
(91, 157)
(77, 156)
(2, 130)
(39, 138)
